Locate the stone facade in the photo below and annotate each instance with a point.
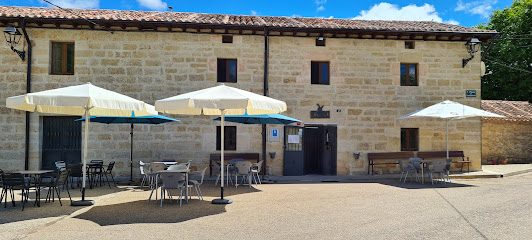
(364, 96)
(510, 140)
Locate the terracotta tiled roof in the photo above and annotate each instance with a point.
(234, 20)
(512, 110)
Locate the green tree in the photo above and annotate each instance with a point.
(509, 59)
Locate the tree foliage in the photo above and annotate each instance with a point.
(509, 60)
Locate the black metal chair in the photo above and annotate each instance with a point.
(75, 171)
(13, 182)
(95, 172)
(109, 171)
(57, 182)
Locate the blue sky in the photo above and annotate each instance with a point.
(461, 12)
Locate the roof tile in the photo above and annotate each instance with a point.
(512, 110)
(236, 20)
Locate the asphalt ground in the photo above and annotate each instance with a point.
(487, 208)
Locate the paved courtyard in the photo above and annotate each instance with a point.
(357, 209)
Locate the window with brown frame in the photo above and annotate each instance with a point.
(409, 74)
(319, 72)
(227, 69)
(62, 58)
(229, 138)
(409, 139)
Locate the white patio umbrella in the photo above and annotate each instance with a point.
(450, 110)
(220, 100)
(85, 99)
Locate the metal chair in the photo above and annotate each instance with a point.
(55, 183)
(75, 171)
(12, 182)
(197, 183)
(255, 171)
(171, 181)
(109, 171)
(406, 167)
(155, 168)
(448, 167)
(437, 166)
(243, 169)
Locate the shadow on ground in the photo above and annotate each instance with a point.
(389, 182)
(142, 212)
(47, 210)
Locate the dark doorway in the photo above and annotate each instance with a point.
(320, 149)
(61, 141)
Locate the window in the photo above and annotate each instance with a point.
(409, 45)
(320, 41)
(319, 72)
(62, 58)
(408, 74)
(227, 39)
(227, 69)
(409, 139)
(229, 138)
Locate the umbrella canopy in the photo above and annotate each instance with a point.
(259, 119)
(211, 101)
(449, 110)
(220, 100)
(153, 119)
(85, 99)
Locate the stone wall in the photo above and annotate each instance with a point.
(364, 96)
(506, 139)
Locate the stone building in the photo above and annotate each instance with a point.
(507, 138)
(363, 75)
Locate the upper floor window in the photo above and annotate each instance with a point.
(227, 69)
(227, 39)
(410, 45)
(409, 74)
(409, 139)
(229, 138)
(62, 58)
(319, 72)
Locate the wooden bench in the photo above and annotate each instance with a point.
(443, 154)
(387, 156)
(215, 158)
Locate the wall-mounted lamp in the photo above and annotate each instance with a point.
(272, 155)
(320, 41)
(13, 36)
(356, 155)
(472, 46)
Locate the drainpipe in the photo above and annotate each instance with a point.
(266, 93)
(28, 90)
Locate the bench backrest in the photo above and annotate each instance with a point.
(229, 156)
(391, 155)
(440, 154)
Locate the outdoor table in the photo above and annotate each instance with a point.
(36, 175)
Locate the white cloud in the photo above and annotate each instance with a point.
(452, 21)
(253, 12)
(482, 8)
(386, 11)
(320, 4)
(153, 4)
(77, 3)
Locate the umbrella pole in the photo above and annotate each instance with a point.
(131, 156)
(84, 202)
(447, 136)
(221, 200)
